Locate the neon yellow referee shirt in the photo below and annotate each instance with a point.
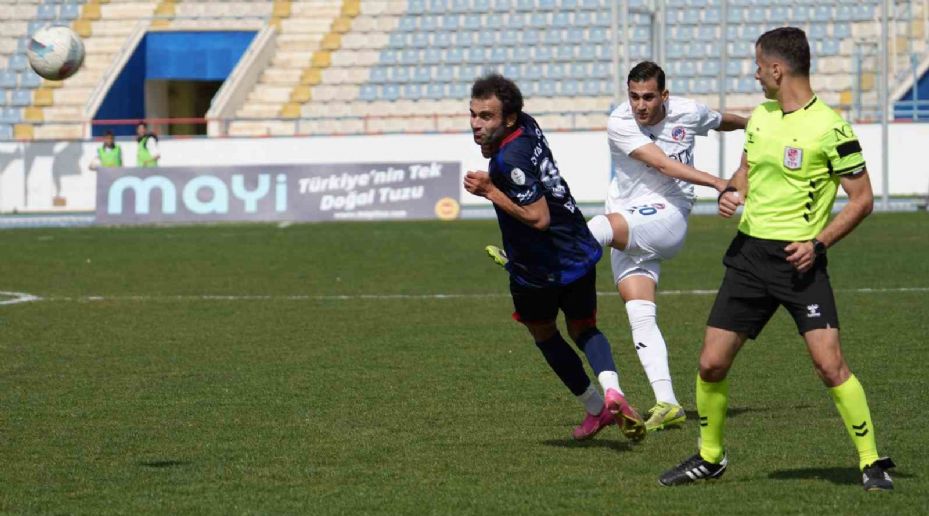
(794, 163)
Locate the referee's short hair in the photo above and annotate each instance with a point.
(647, 70)
(789, 44)
(494, 84)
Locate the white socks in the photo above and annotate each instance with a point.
(601, 229)
(591, 399)
(651, 348)
(609, 380)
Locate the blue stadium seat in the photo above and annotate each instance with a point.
(450, 22)
(561, 20)
(503, 5)
(378, 75)
(432, 56)
(748, 85)
(597, 35)
(498, 55)
(582, 19)
(29, 79)
(733, 67)
(547, 89)
(460, 6)
(6, 132)
(600, 70)
(817, 32)
(554, 36)
(442, 39)
(822, 13)
(711, 15)
(409, 56)
(487, 38)
(570, 87)
(591, 88)
(564, 52)
(556, 71)
(460, 90)
(17, 62)
(587, 53)
(439, 6)
(525, 5)
(481, 6)
(396, 40)
(494, 22)
(412, 91)
(472, 22)
(398, 74)
(707, 33)
(590, 4)
(367, 92)
(422, 74)
(841, 31)
(429, 23)
(828, 47)
(710, 68)
(70, 11)
(530, 37)
(542, 53)
(444, 73)
(539, 20)
(732, 32)
(21, 98)
(736, 15)
(416, 7)
(8, 79)
(604, 52)
(575, 35)
(642, 33)
(454, 55)
(408, 24)
(46, 12)
(474, 55)
(580, 70)
(569, 5)
(687, 69)
(389, 56)
(864, 12)
(11, 115)
(548, 5)
(779, 14)
(844, 13)
(676, 50)
(34, 26)
(390, 92)
(532, 72)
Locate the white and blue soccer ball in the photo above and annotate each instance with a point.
(55, 52)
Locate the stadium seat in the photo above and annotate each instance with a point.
(6, 132)
(21, 98)
(390, 92)
(525, 5)
(543, 53)
(11, 115)
(570, 87)
(368, 93)
(564, 52)
(432, 56)
(70, 11)
(46, 12)
(378, 75)
(8, 79)
(18, 62)
(442, 39)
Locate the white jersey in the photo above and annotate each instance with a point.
(684, 119)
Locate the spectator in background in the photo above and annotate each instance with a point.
(147, 154)
(109, 155)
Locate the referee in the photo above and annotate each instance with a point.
(797, 153)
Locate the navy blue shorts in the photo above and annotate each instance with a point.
(759, 279)
(577, 300)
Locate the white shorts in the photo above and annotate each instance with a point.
(657, 228)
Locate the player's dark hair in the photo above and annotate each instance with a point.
(108, 133)
(494, 84)
(789, 44)
(143, 124)
(647, 70)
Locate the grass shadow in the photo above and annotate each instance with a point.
(842, 475)
(612, 444)
(733, 412)
(164, 463)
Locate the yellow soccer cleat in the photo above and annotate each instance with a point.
(497, 255)
(665, 415)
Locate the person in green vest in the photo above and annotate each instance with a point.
(109, 155)
(147, 154)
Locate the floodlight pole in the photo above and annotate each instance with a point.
(885, 116)
(723, 74)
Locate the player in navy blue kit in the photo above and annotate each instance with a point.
(552, 254)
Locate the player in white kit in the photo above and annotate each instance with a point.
(651, 140)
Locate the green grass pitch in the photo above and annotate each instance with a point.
(313, 369)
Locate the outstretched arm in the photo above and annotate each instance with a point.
(653, 156)
(732, 122)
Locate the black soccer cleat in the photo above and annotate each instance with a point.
(874, 477)
(693, 469)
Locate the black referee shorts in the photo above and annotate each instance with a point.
(759, 279)
(578, 300)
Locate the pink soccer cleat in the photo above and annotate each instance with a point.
(593, 424)
(629, 421)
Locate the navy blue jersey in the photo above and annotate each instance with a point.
(524, 169)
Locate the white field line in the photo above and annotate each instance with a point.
(10, 298)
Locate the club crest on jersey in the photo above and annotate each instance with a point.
(793, 158)
(518, 176)
(678, 133)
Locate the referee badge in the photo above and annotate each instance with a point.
(793, 158)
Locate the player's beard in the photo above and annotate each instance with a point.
(490, 143)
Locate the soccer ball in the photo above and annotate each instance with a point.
(55, 52)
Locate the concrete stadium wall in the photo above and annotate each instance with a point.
(54, 176)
